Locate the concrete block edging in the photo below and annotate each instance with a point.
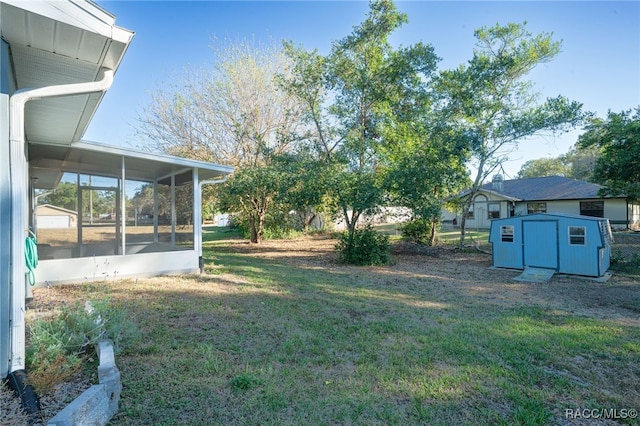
(99, 403)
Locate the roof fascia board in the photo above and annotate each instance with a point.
(163, 158)
(77, 13)
(152, 157)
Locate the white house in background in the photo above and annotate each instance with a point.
(552, 194)
(57, 59)
(54, 217)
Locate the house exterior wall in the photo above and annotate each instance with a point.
(634, 215)
(614, 209)
(480, 207)
(45, 217)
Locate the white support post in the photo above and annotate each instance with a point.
(123, 209)
(197, 218)
(155, 211)
(173, 210)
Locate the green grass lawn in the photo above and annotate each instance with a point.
(281, 340)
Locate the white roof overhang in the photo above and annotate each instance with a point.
(55, 42)
(48, 162)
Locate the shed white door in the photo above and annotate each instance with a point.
(540, 239)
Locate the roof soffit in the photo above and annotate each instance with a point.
(60, 42)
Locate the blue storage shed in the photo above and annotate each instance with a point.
(569, 244)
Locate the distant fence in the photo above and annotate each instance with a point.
(626, 245)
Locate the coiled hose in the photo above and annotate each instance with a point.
(31, 256)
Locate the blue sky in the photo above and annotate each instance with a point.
(599, 64)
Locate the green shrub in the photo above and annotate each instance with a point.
(417, 231)
(367, 247)
(625, 265)
(57, 347)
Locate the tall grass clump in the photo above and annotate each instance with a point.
(58, 347)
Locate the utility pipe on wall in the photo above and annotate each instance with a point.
(19, 207)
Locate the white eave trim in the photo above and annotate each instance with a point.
(151, 156)
(82, 14)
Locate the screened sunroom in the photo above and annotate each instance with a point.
(100, 211)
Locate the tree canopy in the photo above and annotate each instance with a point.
(353, 97)
(495, 104)
(579, 163)
(364, 125)
(233, 112)
(618, 167)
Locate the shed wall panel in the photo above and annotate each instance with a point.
(545, 236)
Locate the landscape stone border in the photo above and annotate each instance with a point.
(99, 403)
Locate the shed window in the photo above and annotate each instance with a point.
(536, 208)
(494, 211)
(470, 213)
(506, 233)
(592, 208)
(577, 235)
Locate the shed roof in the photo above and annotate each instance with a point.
(543, 189)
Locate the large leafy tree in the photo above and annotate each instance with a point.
(490, 97)
(288, 183)
(543, 167)
(232, 112)
(65, 195)
(579, 163)
(351, 96)
(426, 167)
(618, 167)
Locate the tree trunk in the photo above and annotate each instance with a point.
(253, 237)
(463, 220)
(260, 230)
(467, 205)
(432, 232)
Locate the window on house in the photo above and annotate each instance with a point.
(506, 233)
(592, 208)
(577, 235)
(536, 208)
(493, 211)
(470, 214)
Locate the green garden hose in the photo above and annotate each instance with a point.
(31, 256)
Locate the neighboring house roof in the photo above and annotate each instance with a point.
(542, 188)
(52, 207)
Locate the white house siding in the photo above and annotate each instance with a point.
(634, 216)
(616, 212)
(48, 217)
